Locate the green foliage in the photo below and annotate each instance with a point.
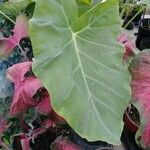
(83, 7)
(80, 63)
(13, 8)
(85, 1)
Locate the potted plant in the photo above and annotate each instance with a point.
(143, 36)
(29, 98)
(62, 95)
(137, 120)
(131, 12)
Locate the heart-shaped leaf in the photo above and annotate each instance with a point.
(25, 88)
(20, 31)
(140, 85)
(79, 61)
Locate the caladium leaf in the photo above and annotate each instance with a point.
(79, 61)
(129, 47)
(145, 137)
(140, 85)
(25, 143)
(17, 72)
(25, 88)
(20, 31)
(44, 107)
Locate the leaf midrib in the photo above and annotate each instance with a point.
(77, 51)
(86, 84)
(80, 65)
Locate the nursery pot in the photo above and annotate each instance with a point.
(143, 32)
(129, 123)
(130, 128)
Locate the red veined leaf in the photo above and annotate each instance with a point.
(145, 138)
(129, 46)
(48, 123)
(17, 72)
(20, 31)
(44, 107)
(21, 28)
(140, 85)
(25, 88)
(25, 143)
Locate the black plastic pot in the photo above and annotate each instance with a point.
(128, 140)
(143, 36)
(130, 129)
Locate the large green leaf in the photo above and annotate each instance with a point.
(83, 6)
(80, 63)
(85, 1)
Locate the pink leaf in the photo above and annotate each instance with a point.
(21, 28)
(44, 107)
(48, 123)
(140, 85)
(122, 38)
(129, 46)
(16, 72)
(25, 143)
(145, 139)
(20, 31)
(25, 88)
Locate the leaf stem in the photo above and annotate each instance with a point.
(23, 53)
(7, 17)
(134, 17)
